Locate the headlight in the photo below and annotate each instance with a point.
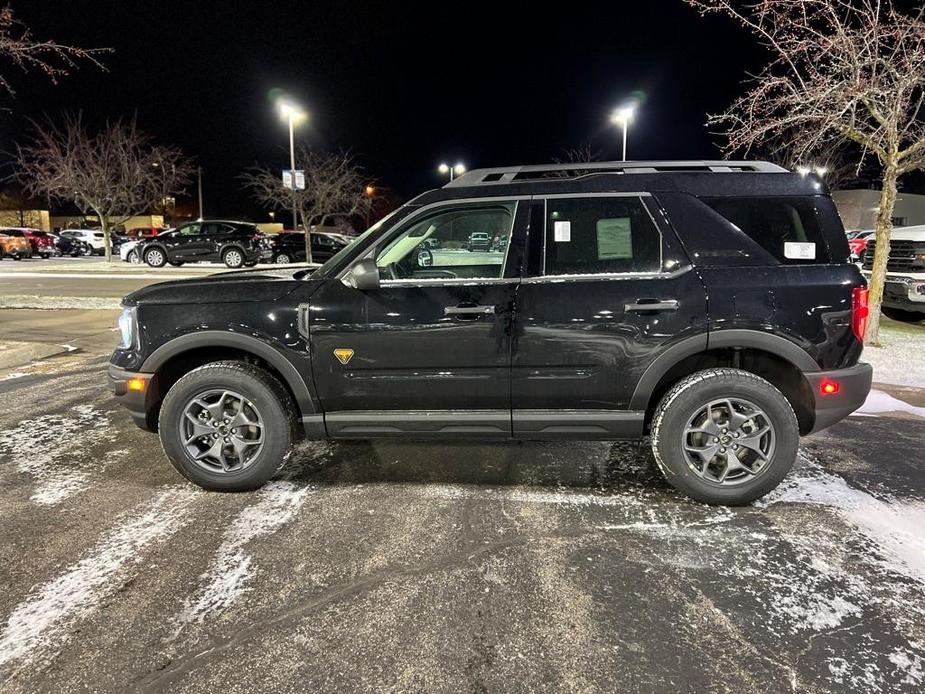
(128, 328)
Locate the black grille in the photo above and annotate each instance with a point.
(903, 255)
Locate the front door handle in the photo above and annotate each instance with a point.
(468, 311)
(647, 305)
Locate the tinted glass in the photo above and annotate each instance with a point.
(600, 235)
(440, 245)
(787, 228)
(188, 230)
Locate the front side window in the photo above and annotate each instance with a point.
(600, 235)
(188, 230)
(462, 242)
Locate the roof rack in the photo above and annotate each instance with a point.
(512, 174)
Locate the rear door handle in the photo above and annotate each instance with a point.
(646, 305)
(468, 311)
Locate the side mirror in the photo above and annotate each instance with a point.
(364, 275)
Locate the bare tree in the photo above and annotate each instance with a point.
(114, 174)
(26, 52)
(849, 70)
(334, 187)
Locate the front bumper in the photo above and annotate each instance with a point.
(853, 387)
(903, 292)
(137, 402)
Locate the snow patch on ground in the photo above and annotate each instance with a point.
(895, 527)
(45, 619)
(52, 449)
(899, 361)
(59, 302)
(878, 402)
(231, 570)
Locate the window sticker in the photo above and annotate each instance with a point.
(614, 238)
(799, 251)
(562, 232)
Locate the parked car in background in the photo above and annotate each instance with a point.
(92, 237)
(136, 233)
(128, 251)
(479, 241)
(857, 243)
(706, 305)
(289, 246)
(69, 245)
(43, 246)
(14, 245)
(237, 244)
(904, 289)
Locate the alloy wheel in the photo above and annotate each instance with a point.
(222, 431)
(728, 441)
(282, 259)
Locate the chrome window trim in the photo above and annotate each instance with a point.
(602, 275)
(544, 279)
(410, 220)
(440, 281)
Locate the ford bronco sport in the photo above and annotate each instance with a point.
(708, 305)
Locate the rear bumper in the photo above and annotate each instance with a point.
(135, 401)
(853, 387)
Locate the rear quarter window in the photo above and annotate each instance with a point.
(789, 228)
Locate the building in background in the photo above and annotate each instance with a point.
(858, 208)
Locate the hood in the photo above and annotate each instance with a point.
(223, 288)
(914, 233)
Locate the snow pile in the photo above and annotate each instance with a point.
(878, 402)
(47, 615)
(53, 450)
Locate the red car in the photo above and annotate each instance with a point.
(42, 244)
(858, 243)
(143, 232)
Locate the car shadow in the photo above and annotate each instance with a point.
(603, 466)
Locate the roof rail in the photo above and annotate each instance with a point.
(511, 174)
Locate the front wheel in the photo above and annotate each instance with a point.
(227, 426)
(155, 257)
(233, 258)
(725, 436)
(282, 259)
(133, 258)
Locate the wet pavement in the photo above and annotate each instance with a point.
(407, 566)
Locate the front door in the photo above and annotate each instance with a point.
(429, 352)
(607, 290)
(185, 243)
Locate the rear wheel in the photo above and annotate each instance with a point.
(725, 436)
(227, 426)
(155, 257)
(282, 259)
(233, 258)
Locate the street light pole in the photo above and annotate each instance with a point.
(295, 219)
(200, 191)
(456, 170)
(622, 117)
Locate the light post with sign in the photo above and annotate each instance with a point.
(293, 114)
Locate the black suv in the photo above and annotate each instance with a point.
(237, 244)
(710, 305)
(289, 247)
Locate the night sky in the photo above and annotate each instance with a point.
(402, 85)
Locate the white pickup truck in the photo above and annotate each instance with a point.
(904, 291)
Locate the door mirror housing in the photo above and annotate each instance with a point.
(364, 275)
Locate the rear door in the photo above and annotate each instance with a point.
(608, 289)
(429, 352)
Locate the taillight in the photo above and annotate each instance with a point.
(859, 311)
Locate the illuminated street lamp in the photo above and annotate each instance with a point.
(456, 170)
(817, 169)
(622, 117)
(294, 115)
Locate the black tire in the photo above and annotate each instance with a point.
(132, 257)
(268, 397)
(156, 257)
(692, 395)
(282, 259)
(903, 316)
(233, 257)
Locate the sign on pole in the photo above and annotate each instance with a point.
(296, 182)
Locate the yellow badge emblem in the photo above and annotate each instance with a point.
(343, 355)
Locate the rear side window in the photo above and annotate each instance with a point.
(786, 227)
(600, 235)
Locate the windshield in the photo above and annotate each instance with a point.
(338, 257)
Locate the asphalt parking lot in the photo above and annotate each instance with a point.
(409, 566)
